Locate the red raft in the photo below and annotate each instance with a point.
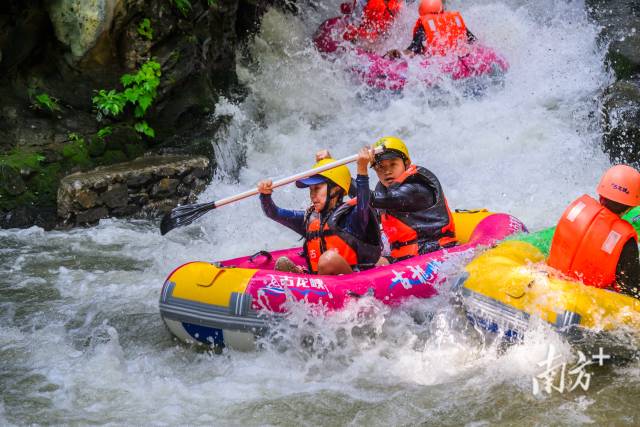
(379, 72)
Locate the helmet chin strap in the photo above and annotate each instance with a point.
(330, 196)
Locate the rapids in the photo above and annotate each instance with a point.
(81, 341)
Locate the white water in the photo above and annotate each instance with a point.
(81, 341)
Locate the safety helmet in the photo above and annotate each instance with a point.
(430, 6)
(621, 183)
(393, 148)
(340, 176)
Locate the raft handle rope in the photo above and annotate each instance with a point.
(265, 254)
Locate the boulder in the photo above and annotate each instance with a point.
(125, 189)
(621, 121)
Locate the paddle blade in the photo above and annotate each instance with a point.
(183, 215)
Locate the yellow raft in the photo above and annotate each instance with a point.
(507, 285)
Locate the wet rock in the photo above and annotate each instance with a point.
(621, 115)
(139, 179)
(11, 181)
(87, 198)
(116, 196)
(91, 216)
(166, 187)
(80, 23)
(624, 55)
(125, 189)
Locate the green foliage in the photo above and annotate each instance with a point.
(105, 131)
(76, 150)
(145, 30)
(109, 103)
(21, 160)
(144, 128)
(184, 6)
(141, 87)
(140, 90)
(44, 101)
(211, 2)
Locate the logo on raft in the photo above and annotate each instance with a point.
(278, 285)
(419, 276)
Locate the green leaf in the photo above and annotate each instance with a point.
(144, 128)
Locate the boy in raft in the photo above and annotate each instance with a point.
(339, 237)
(593, 244)
(437, 32)
(413, 210)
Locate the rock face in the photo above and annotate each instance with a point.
(620, 21)
(55, 55)
(146, 186)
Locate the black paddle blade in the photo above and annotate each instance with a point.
(183, 215)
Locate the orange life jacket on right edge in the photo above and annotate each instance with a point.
(419, 232)
(588, 242)
(443, 32)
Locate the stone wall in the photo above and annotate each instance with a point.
(145, 186)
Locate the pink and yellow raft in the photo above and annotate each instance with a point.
(229, 303)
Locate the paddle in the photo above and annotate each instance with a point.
(185, 215)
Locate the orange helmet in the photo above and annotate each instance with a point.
(430, 6)
(621, 183)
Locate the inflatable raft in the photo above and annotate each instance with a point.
(230, 303)
(507, 285)
(383, 73)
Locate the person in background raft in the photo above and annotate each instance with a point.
(377, 18)
(437, 32)
(339, 237)
(593, 244)
(413, 210)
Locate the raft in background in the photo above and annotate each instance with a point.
(382, 73)
(507, 285)
(230, 303)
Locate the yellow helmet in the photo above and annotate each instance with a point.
(340, 176)
(392, 145)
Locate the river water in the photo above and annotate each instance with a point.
(81, 340)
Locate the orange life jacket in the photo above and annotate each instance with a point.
(377, 17)
(419, 232)
(588, 242)
(444, 32)
(323, 234)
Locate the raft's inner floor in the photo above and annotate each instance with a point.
(81, 341)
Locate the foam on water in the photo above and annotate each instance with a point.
(81, 341)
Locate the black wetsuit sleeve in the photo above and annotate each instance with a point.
(417, 44)
(470, 37)
(628, 269)
(289, 218)
(406, 197)
(358, 220)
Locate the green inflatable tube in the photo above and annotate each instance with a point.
(542, 239)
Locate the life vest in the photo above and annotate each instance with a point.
(420, 232)
(377, 17)
(323, 234)
(444, 32)
(588, 242)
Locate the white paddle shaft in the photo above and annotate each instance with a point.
(292, 178)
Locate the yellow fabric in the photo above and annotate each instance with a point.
(466, 222)
(203, 282)
(514, 274)
(340, 175)
(393, 143)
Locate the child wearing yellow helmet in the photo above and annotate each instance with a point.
(339, 237)
(413, 209)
